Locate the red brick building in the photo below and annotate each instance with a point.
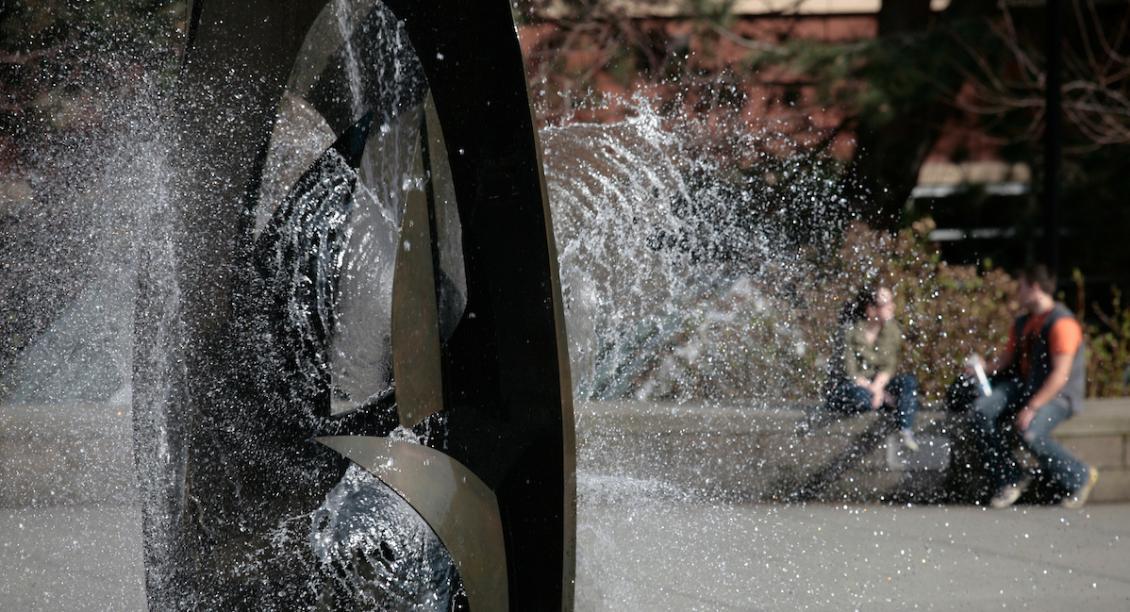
(629, 46)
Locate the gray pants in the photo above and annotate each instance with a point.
(994, 427)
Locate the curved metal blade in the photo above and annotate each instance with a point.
(459, 508)
(416, 362)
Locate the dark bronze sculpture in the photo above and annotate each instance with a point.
(361, 260)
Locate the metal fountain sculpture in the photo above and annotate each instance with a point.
(359, 268)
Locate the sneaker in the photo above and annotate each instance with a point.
(1008, 495)
(908, 441)
(1078, 498)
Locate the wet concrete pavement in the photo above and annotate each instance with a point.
(644, 546)
(71, 558)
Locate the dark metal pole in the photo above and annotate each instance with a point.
(1053, 133)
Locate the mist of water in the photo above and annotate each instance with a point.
(681, 256)
(678, 260)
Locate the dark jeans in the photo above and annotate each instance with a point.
(995, 428)
(850, 398)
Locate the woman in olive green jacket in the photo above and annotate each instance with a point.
(870, 379)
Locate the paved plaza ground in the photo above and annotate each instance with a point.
(643, 546)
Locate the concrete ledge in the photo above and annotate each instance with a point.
(746, 452)
(1099, 417)
(83, 453)
(732, 451)
(1100, 435)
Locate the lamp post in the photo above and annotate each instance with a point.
(1053, 132)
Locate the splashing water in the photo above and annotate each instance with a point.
(660, 247)
(667, 252)
(685, 250)
(679, 267)
(660, 251)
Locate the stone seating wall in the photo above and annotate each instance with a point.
(82, 454)
(746, 453)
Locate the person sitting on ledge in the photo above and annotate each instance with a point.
(1038, 382)
(871, 346)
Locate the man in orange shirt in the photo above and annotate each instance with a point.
(1039, 382)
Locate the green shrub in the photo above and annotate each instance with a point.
(770, 335)
(1108, 345)
(946, 312)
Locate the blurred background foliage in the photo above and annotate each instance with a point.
(63, 62)
(1108, 343)
(865, 101)
(876, 97)
(946, 312)
(778, 330)
(879, 91)
(769, 332)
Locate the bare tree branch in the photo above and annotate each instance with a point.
(1096, 90)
